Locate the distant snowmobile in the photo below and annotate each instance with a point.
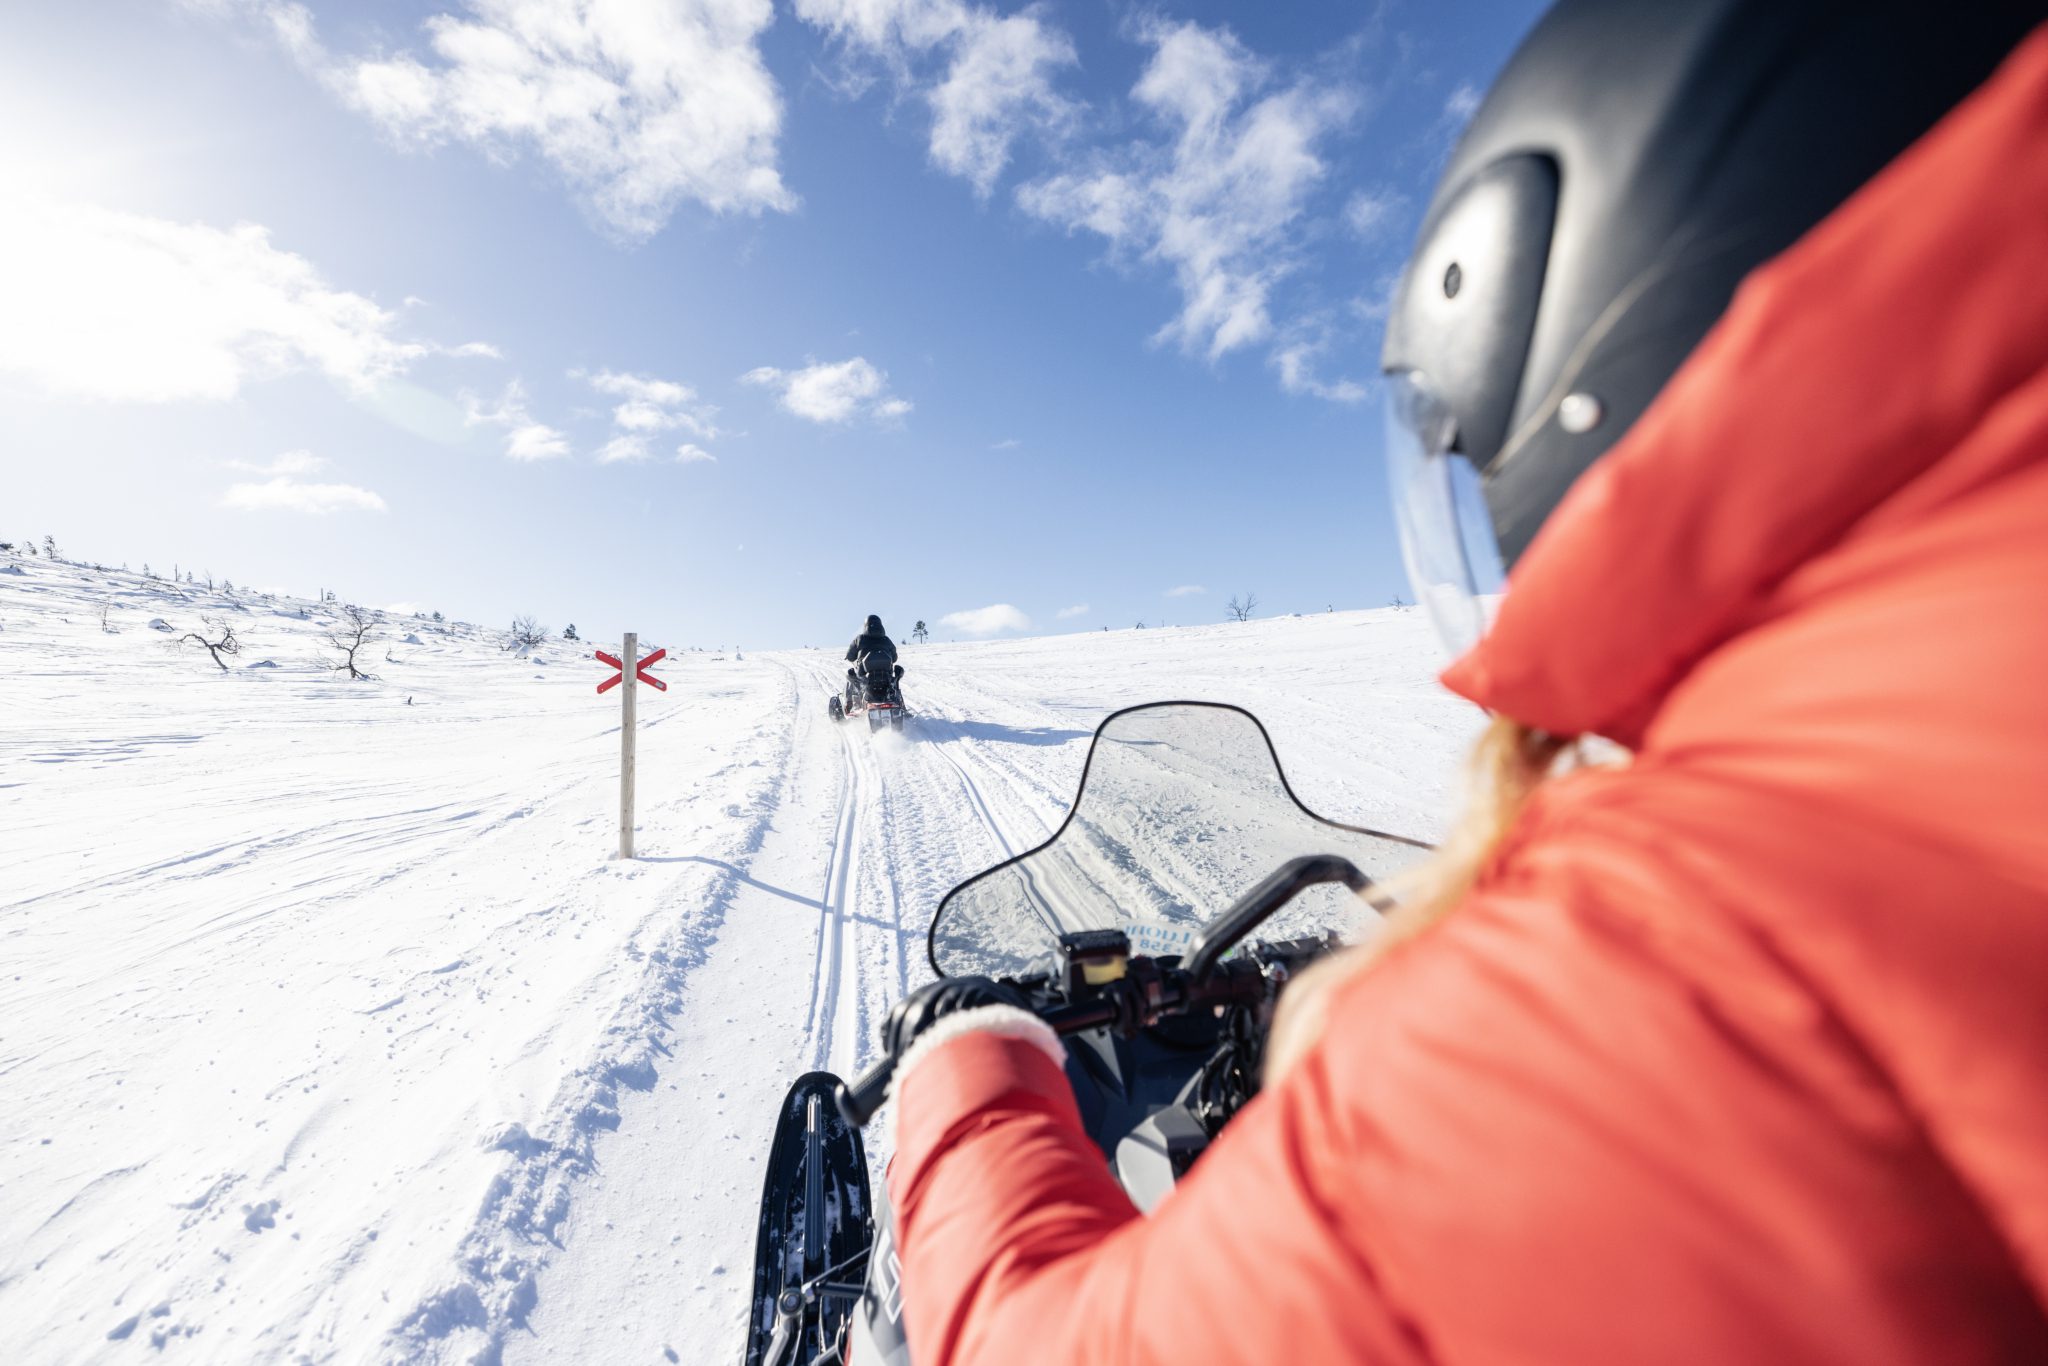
(874, 685)
(1164, 1016)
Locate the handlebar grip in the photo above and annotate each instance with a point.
(859, 1099)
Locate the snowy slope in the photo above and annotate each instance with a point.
(330, 1031)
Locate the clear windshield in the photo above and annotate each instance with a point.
(1182, 809)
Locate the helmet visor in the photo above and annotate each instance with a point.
(1447, 538)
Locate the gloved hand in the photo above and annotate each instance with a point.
(918, 1015)
(926, 1006)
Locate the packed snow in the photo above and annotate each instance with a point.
(332, 1031)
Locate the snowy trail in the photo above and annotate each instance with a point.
(331, 1032)
(656, 1249)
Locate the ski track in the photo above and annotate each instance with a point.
(331, 1033)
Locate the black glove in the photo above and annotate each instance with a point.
(923, 1008)
(914, 1014)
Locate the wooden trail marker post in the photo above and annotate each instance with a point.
(628, 661)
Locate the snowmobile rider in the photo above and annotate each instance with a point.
(1727, 330)
(872, 643)
(871, 640)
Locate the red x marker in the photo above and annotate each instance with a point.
(639, 671)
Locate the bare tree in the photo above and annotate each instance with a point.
(1242, 611)
(105, 607)
(350, 634)
(527, 634)
(225, 645)
(1397, 601)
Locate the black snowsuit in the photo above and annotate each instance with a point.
(873, 643)
(872, 640)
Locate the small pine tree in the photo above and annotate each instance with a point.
(145, 570)
(50, 546)
(227, 586)
(920, 632)
(438, 617)
(569, 632)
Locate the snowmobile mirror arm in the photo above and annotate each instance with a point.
(1281, 886)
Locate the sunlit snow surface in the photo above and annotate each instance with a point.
(331, 1031)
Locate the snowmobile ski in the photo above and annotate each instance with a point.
(810, 1259)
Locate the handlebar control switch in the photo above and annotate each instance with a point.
(1090, 960)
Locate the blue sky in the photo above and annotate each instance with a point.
(722, 320)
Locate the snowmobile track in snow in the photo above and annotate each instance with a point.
(832, 959)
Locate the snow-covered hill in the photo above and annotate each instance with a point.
(331, 1031)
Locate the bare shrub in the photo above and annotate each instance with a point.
(1242, 610)
(224, 644)
(350, 635)
(527, 634)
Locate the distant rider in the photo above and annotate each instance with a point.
(872, 641)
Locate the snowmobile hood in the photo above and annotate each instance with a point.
(1880, 369)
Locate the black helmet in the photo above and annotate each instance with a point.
(1633, 162)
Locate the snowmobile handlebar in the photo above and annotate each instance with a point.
(1135, 992)
(1281, 886)
(1148, 990)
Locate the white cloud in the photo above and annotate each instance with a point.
(535, 441)
(647, 404)
(1186, 590)
(525, 439)
(473, 349)
(1009, 443)
(639, 106)
(646, 407)
(987, 621)
(622, 449)
(1079, 609)
(1297, 361)
(291, 462)
(99, 304)
(290, 495)
(1370, 212)
(1462, 104)
(1220, 198)
(997, 84)
(834, 391)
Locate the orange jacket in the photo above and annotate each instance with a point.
(1738, 1054)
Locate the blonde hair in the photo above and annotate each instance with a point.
(1506, 767)
(1507, 764)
